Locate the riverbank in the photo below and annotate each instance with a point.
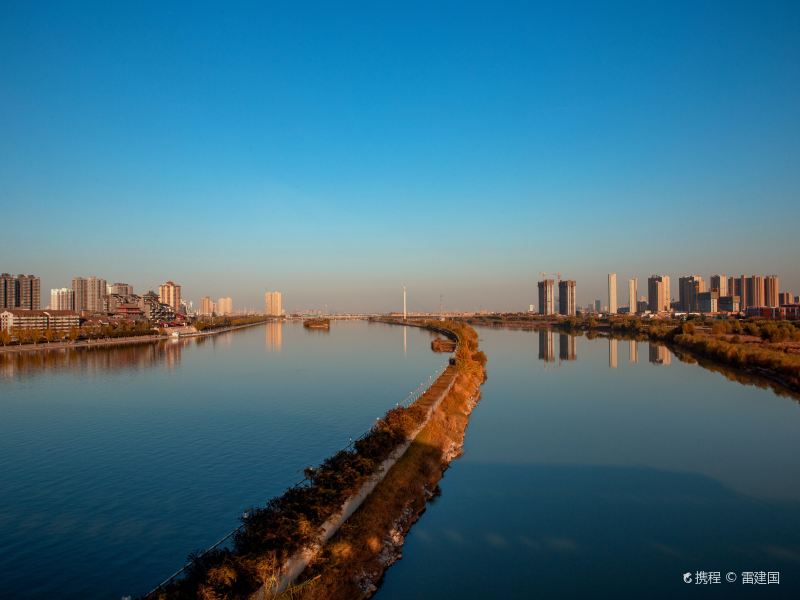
(97, 343)
(764, 349)
(276, 542)
(353, 563)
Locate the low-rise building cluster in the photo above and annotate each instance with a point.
(90, 301)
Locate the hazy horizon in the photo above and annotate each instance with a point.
(336, 153)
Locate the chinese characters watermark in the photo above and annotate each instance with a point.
(746, 577)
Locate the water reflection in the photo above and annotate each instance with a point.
(660, 355)
(663, 469)
(107, 456)
(274, 336)
(633, 351)
(566, 347)
(93, 359)
(547, 349)
(612, 353)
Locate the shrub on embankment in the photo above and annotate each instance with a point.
(718, 340)
(209, 323)
(785, 366)
(353, 562)
(271, 534)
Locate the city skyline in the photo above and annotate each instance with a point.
(682, 120)
(771, 287)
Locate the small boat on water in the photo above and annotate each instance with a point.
(317, 324)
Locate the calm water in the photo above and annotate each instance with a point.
(608, 469)
(116, 463)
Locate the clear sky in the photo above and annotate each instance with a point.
(336, 151)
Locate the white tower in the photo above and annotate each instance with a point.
(405, 311)
(612, 293)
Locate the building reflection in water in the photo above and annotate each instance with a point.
(612, 353)
(172, 353)
(274, 336)
(405, 340)
(566, 347)
(547, 347)
(90, 360)
(633, 351)
(660, 354)
(224, 339)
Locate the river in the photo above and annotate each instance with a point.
(608, 469)
(117, 462)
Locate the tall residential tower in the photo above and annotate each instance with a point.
(612, 293)
(546, 302)
(273, 304)
(566, 297)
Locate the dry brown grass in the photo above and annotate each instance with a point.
(355, 559)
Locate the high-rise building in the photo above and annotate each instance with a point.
(121, 289)
(612, 293)
(728, 304)
(96, 288)
(754, 286)
(771, 291)
(740, 289)
(29, 292)
(566, 297)
(598, 305)
(169, 293)
(8, 293)
(79, 290)
(21, 292)
(206, 306)
(225, 306)
(785, 298)
(632, 284)
(89, 292)
(719, 283)
(546, 301)
(273, 304)
(62, 299)
(708, 302)
(658, 293)
(689, 288)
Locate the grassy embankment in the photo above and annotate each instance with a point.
(292, 522)
(353, 562)
(766, 348)
(209, 324)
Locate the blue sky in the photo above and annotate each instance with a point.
(336, 151)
